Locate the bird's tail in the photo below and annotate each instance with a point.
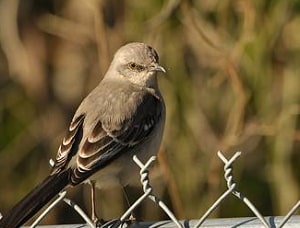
(35, 200)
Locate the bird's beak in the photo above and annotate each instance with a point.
(157, 67)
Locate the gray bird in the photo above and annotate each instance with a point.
(123, 116)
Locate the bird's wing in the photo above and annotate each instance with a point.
(108, 139)
(69, 146)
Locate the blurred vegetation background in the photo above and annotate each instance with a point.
(233, 84)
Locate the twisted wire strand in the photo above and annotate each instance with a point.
(144, 173)
(228, 175)
(230, 182)
(231, 185)
(145, 183)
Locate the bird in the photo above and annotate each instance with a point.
(122, 116)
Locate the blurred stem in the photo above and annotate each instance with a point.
(101, 35)
(11, 43)
(172, 186)
(286, 191)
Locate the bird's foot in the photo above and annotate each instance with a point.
(98, 222)
(117, 223)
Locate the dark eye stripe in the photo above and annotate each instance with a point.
(136, 67)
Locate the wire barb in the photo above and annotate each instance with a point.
(230, 183)
(147, 188)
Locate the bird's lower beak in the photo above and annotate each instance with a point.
(159, 68)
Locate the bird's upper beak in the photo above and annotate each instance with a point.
(157, 67)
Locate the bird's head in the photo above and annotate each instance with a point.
(138, 63)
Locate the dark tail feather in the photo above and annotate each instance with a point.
(35, 200)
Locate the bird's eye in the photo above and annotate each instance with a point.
(132, 65)
(136, 67)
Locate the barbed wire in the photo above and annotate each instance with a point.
(147, 188)
(231, 185)
(148, 193)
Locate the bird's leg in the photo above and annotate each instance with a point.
(132, 217)
(95, 218)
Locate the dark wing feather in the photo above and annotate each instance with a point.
(112, 142)
(69, 145)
